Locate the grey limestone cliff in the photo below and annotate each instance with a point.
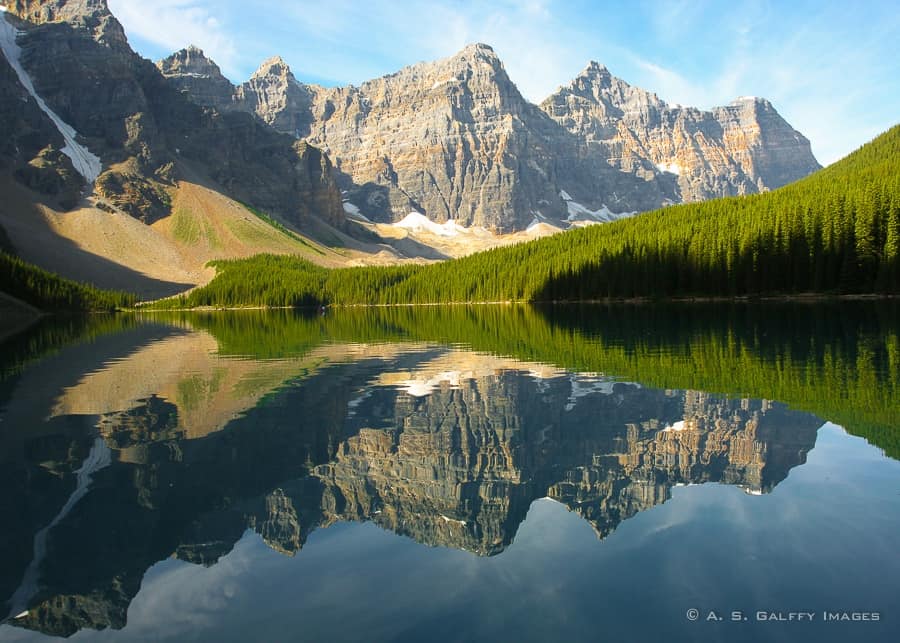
(742, 148)
(454, 139)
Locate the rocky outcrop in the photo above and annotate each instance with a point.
(743, 148)
(766, 147)
(51, 173)
(195, 74)
(92, 16)
(143, 128)
(273, 94)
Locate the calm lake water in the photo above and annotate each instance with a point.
(644, 473)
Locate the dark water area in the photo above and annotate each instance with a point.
(623, 473)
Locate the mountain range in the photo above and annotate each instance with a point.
(134, 175)
(454, 139)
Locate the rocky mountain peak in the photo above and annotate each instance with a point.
(192, 61)
(478, 49)
(741, 148)
(93, 16)
(455, 139)
(274, 66)
(193, 72)
(598, 86)
(751, 104)
(477, 53)
(594, 70)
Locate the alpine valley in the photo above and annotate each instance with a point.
(133, 176)
(420, 359)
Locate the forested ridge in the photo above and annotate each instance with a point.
(837, 231)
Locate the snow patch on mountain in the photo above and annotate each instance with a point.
(418, 222)
(425, 386)
(353, 211)
(676, 426)
(98, 458)
(86, 164)
(671, 168)
(584, 385)
(578, 212)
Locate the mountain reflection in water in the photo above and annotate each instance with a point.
(438, 442)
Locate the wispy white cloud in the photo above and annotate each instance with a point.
(174, 24)
(523, 34)
(829, 85)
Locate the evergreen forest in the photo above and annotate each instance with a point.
(49, 292)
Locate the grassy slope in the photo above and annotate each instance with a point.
(115, 251)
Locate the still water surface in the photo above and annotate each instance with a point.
(460, 474)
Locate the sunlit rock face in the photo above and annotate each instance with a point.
(454, 139)
(742, 148)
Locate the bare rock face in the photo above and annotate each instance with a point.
(743, 148)
(142, 126)
(88, 15)
(273, 94)
(454, 139)
(195, 74)
(51, 173)
(763, 143)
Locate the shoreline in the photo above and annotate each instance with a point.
(808, 298)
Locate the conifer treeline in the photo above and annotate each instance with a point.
(837, 231)
(49, 292)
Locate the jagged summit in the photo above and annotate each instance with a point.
(593, 68)
(195, 73)
(93, 16)
(273, 66)
(190, 60)
(741, 148)
(478, 48)
(752, 100)
(477, 52)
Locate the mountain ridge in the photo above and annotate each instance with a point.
(613, 155)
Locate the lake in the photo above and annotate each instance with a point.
(702, 472)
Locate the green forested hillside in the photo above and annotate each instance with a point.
(837, 231)
(49, 292)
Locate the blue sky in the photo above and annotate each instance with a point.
(830, 68)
